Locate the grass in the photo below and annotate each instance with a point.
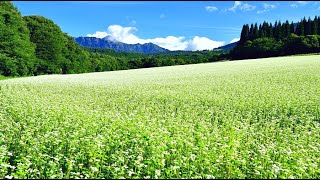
(3, 77)
(237, 119)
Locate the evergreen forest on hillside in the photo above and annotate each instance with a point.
(267, 40)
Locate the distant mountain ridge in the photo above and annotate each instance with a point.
(106, 42)
(227, 47)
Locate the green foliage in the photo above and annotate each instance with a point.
(280, 30)
(151, 62)
(76, 60)
(269, 47)
(49, 41)
(244, 33)
(16, 51)
(108, 60)
(229, 120)
(57, 52)
(282, 39)
(258, 48)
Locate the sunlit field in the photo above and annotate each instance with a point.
(238, 119)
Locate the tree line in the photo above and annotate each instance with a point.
(280, 30)
(267, 40)
(109, 60)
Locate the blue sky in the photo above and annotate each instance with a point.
(189, 25)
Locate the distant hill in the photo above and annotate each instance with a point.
(93, 42)
(227, 47)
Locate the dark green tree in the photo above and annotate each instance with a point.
(302, 32)
(275, 30)
(264, 29)
(244, 33)
(286, 29)
(308, 29)
(318, 25)
(315, 26)
(280, 29)
(260, 31)
(305, 27)
(298, 29)
(291, 27)
(270, 31)
(255, 31)
(251, 36)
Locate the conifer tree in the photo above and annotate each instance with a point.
(315, 26)
(292, 27)
(251, 32)
(280, 30)
(270, 31)
(260, 32)
(308, 30)
(318, 25)
(302, 32)
(305, 27)
(287, 29)
(244, 33)
(255, 31)
(264, 29)
(275, 30)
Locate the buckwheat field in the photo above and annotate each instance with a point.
(237, 119)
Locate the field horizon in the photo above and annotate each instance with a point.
(161, 67)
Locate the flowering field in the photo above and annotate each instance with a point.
(240, 119)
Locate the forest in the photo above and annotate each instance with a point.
(35, 45)
(280, 39)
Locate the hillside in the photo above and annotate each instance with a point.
(227, 47)
(231, 118)
(93, 42)
(17, 52)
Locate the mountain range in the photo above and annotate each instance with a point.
(107, 42)
(147, 48)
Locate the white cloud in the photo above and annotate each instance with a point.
(98, 34)
(269, 6)
(293, 5)
(203, 43)
(126, 35)
(266, 8)
(247, 7)
(242, 6)
(170, 42)
(299, 3)
(234, 40)
(211, 8)
(235, 6)
(123, 34)
(302, 2)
